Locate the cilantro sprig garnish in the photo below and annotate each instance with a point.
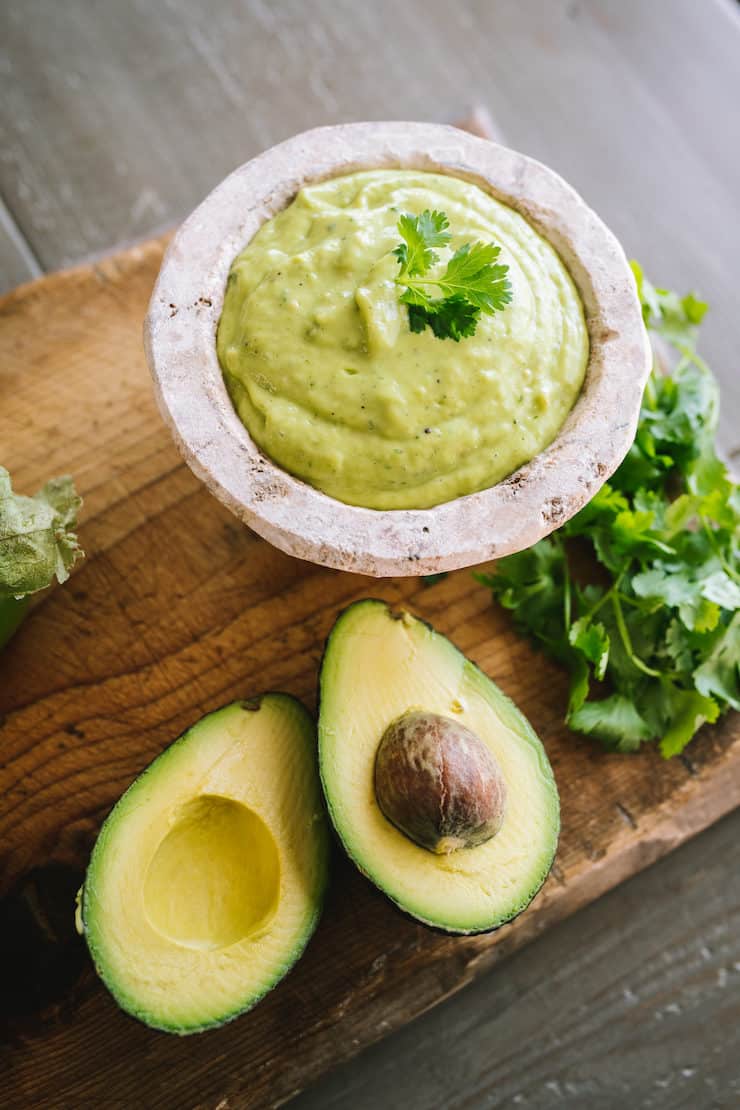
(472, 283)
(653, 642)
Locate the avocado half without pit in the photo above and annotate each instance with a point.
(208, 876)
(437, 785)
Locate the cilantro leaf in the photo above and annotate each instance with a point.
(665, 313)
(719, 674)
(672, 588)
(473, 282)
(678, 645)
(720, 588)
(592, 640)
(690, 710)
(474, 274)
(613, 720)
(421, 234)
(579, 687)
(531, 584)
(699, 614)
(449, 318)
(661, 629)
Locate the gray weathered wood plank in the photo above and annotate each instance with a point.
(635, 1002)
(118, 117)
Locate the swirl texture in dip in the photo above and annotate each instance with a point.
(330, 382)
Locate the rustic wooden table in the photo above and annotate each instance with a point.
(116, 118)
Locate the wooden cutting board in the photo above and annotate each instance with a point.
(176, 610)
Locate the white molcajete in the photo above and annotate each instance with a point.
(180, 339)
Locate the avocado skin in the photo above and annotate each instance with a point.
(129, 1007)
(435, 926)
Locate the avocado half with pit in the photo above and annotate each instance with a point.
(437, 785)
(208, 876)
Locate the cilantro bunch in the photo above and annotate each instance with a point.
(652, 640)
(472, 282)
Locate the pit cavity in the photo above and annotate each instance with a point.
(215, 876)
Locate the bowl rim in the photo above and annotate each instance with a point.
(186, 304)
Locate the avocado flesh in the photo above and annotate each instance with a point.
(377, 666)
(207, 878)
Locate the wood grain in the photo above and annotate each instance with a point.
(118, 118)
(176, 610)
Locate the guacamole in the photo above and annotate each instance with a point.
(332, 384)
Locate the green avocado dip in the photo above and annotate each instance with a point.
(334, 387)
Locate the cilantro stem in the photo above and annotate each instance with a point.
(649, 393)
(566, 581)
(689, 355)
(634, 603)
(595, 608)
(605, 597)
(457, 286)
(726, 567)
(566, 598)
(626, 641)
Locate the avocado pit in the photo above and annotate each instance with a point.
(438, 783)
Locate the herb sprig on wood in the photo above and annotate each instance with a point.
(652, 642)
(37, 544)
(473, 282)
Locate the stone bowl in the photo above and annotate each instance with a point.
(186, 305)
